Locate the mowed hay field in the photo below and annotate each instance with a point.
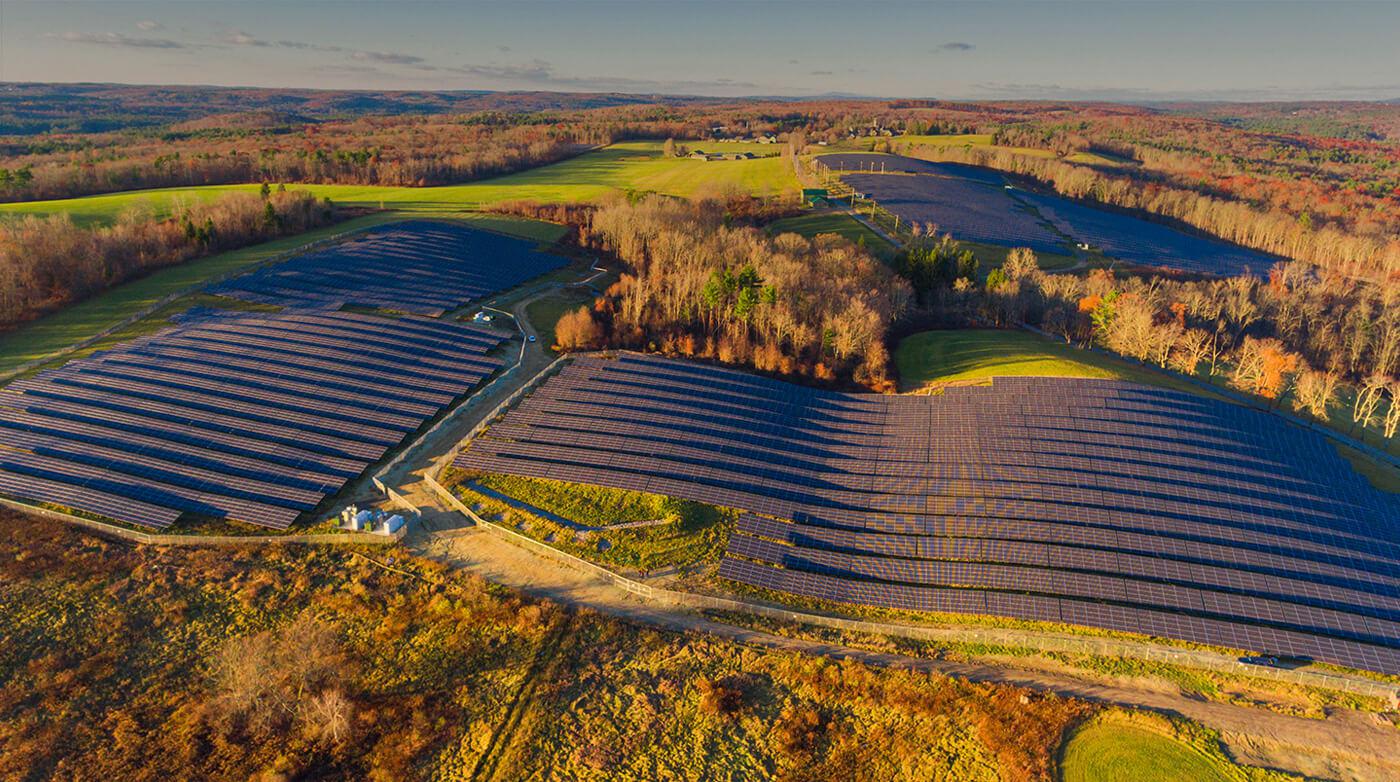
(936, 357)
(632, 165)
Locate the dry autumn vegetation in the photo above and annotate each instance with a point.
(296, 662)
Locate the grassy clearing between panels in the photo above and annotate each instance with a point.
(544, 313)
(695, 534)
(632, 165)
(839, 223)
(932, 358)
(1120, 745)
(992, 256)
(82, 320)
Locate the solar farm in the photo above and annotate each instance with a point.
(420, 266)
(967, 209)
(1097, 503)
(1146, 243)
(843, 163)
(973, 205)
(259, 417)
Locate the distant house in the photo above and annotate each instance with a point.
(814, 196)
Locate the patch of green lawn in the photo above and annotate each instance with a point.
(1136, 747)
(696, 532)
(985, 140)
(544, 313)
(936, 357)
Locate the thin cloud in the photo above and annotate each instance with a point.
(149, 25)
(117, 40)
(541, 74)
(822, 73)
(534, 70)
(387, 58)
(240, 38)
(954, 46)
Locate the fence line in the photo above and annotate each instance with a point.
(1105, 647)
(160, 539)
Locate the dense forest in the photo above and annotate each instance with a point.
(50, 262)
(694, 286)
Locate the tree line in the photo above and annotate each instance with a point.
(1271, 231)
(1324, 345)
(696, 286)
(49, 262)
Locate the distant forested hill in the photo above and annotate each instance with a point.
(32, 108)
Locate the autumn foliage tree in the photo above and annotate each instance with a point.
(697, 286)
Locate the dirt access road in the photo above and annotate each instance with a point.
(1348, 745)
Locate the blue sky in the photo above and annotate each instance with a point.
(1124, 51)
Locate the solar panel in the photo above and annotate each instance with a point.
(1030, 493)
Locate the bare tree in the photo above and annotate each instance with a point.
(1392, 413)
(1314, 392)
(1020, 262)
(1368, 398)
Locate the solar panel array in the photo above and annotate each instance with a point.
(250, 417)
(971, 204)
(421, 266)
(969, 210)
(855, 162)
(1089, 502)
(1146, 243)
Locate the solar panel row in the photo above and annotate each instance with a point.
(1085, 490)
(422, 267)
(223, 414)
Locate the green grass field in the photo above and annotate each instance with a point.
(632, 165)
(936, 357)
(696, 533)
(544, 313)
(1121, 746)
(834, 222)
